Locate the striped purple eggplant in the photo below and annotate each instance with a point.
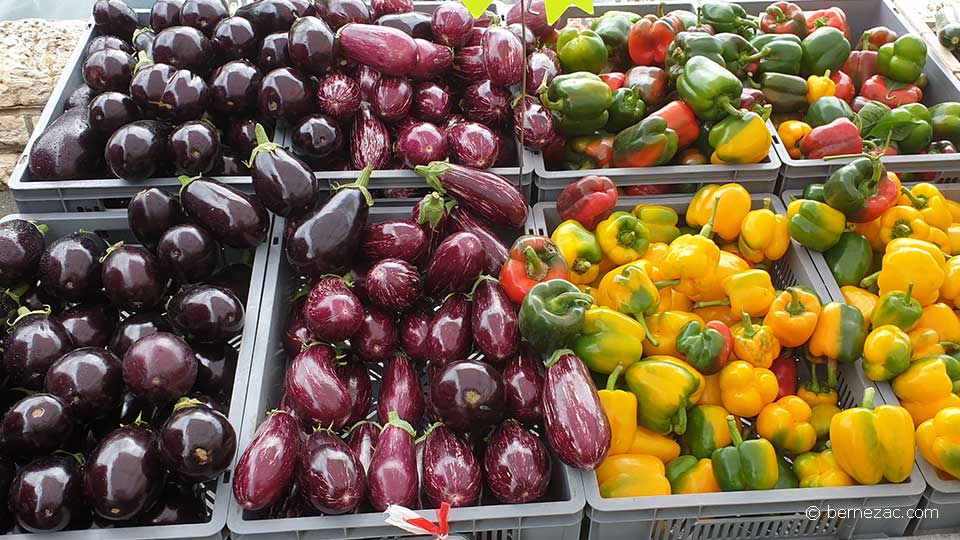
(468, 64)
(433, 60)
(452, 24)
(414, 328)
(366, 77)
(377, 337)
(332, 312)
(393, 239)
(449, 335)
(516, 464)
(431, 102)
(393, 285)
(467, 395)
(535, 18)
(451, 473)
(400, 391)
(392, 477)
(576, 425)
(339, 96)
(523, 386)
(385, 49)
(542, 67)
(266, 468)
(494, 322)
(502, 56)
(314, 390)
(455, 265)
(495, 253)
(533, 124)
(369, 140)
(484, 194)
(473, 145)
(356, 379)
(330, 475)
(362, 439)
(486, 103)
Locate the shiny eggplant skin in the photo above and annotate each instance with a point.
(233, 39)
(494, 318)
(69, 148)
(273, 52)
(269, 16)
(576, 425)
(286, 93)
(339, 96)
(124, 474)
(486, 195)
(108, 70)
(234, 277)
(449, 334)
(542, 67)
(392, 98)
(111, 110)
(516, 464)
(21, 247)
(486, 103)
(502, 56)
(400, 391)
(184, 47)
(366, 77)
(356, 379)
(468, 64)
(206, 313)
(234, 218)
(234, 88)
(178, 504)
(467, 395)
(216, 370)
(433, 60)
(134, 327)
(151, 212)
(34, 343)
(332, 312)
(46, 495)
(266, 468)
(283, 182)
(188, 253)
(132, 278)
(296, 334)
(185, 97)
(36, 425)
(393, 285)
(160, 368)
(431, 102)
(195, 147)
(83, 95)
(387, 50)
(197, 443)
(534, 123)
(340, 12)
(451, 473)
(535, 18)
(395, 239)
(455, 265)
(452, 24)
(138, 150)
(115, 18)
(419, 143)
(363, 438)
(147, 86)
(311, 45)
(204, 15)
(377, 336)
(314, 390)
(89, 380)
(495, 253)
(415, 326)
(392, 477)
(523, 386)
(316, 136)
(473, 144)
(330, 475)
(369, 139)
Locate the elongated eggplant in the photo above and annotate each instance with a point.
(576, 425)
(385, 49)
(21, 247)
(206, 313)
(392, 477)
(124, 474)
(542, 67)
(266, 468)
(400, 391)
(414, 329)
(449, 335)
(451, 473)
(232, 217)
(340, 12)
(369, 140)
(393, 285)
(495, 253)
(393, 239)
(69, 148)
(486, 103)
(431, 102)
(516, 465)
(455, 265)
(489, 196)
(197, 442)
(327, 239)
(473, 145)
(312, 45)
(495, 330)
(283, 182)
(533, 124)
(34, 343)
(468, 64)
(363, 438)
(377, 336)
(268, 16)
(356, 379)
(433, 60)
(330, 475)
(432, 213)
(502, 56)
(132, 277)
(467, 395)
(315, 392)
(535, 18)
(523, 386)
(332, 312)
(338, 96)
(452, 24)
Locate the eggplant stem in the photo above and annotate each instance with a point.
(555, 357)
(397, 422)
(186, 402)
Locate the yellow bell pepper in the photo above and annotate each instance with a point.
(629, 475)
(733, 203)
(871, 230)
(745, 390)
(944, 320)
(820, 416)
(628, 289)
(902, 222)
(928, 385)
(665, 386)
(907, 260)
(655, 254)
(707, 430)
(623, 238)
(819, 86)
(954, 208)
(608, 339)
(664, 328)
(749, 144)
(673, 300)
(791, 134)
(711, 390)
(763, 235)
(815, 393)
(654, 444)
(661, 221)
(691, 475)
(886, 353)
(861, 299)
(621, 409)
(710, 287)
(873, 444)
(793, 316)
(925, 342)
(953, 236)
(938, 440)
(839, 334)
(755, 344)
(950, 290)
(786, 424)
(820, 469)
(717, 313)
(748, 292)
(940, 239)
(930, 202)
(691, 256)
(580, 249)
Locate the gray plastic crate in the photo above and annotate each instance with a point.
(749, 514)
(113, 227)
(943, 86)
(559, 518)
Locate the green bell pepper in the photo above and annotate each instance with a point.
(608, 339)
(709, 89)
(785, 53)
(706, 347)
(706, 430)
(786, 93)
(552, 313)
(663, 386)
(726, 17)
(903, 60)
(826, 49)
(898, 308)
(946, 121)
(645, 144)
(739, 55)
(626, 110)
(827, 109)
(910, 126)
(614, 30)
(861, 189)
(688, 45)
(850, 260)
(589, 151)
(747, 465)
(787, 478)
(814, 192)
(579, 102)
(814, 224)
(581, 50)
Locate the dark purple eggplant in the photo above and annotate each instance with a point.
(369, 141)
(340, 12)
(415, 24)
(233, 39)
(311, 45)
(393, 285)
(451, 473)
(362, 439)
(115, 17)
(535, 18)
(151, 212)
(111, 110)
(101, 43)
(400, 391)
(286, 93)
(138, 150)
(143, 40)
(455, 265)
(21, 247)
(503, 54)
(525, 35)
(69, 148)
(473, 145)
(432, 213)
(79, 98)
(392, 98)
(204, 15)
(495, 330)
(366, 77)
(508, 156)
(576, 425)
(194, 147)
(266, 468)
(542, 67)
(36, 425)
(165, 13)
(393, 239)
(304, 7)
(160, 367)
(433, 60)
(206, 313)
(414, 329)
(495, 253)
(468, 64)
(269, 16)
(486, 103)
(467, 395)
(125, 474)
(331, 311)
(296, 334)
(523, 386)
(34, 343)
(533, 124)
(134, 327)
(185, 97)
(216, 370)
(188, 253)
(241, 135)
(90, 325)
(317, 136)
(449, 335)
(421, 143)
(184, 47)
(385, 49)
(516, 465)
(386, 7)
(484, 194)
(377, 336)
(234, 218)
(273, 53)
(283, 182)
(235, 278)
(314, 391)
(46, 495)
(133, 407)
(330, 475)
(178, 505)
(70, 267)
(338, 96)
(431, 102)
(132, 278)
(234, 87)
(392, 477)
(452, 24)
(356, 379)
(148, 84)
(197, 443)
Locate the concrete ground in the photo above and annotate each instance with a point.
(6, 203)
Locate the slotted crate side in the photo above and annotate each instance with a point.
(748, 514)
(558, 519)
(113, 227)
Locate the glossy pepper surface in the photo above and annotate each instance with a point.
(927, 386)
(747, 465)
(946, 121)
(687, 474)
(784, 92)
(833, 17)
(839, 334)
(889, 92)
(740, 56)
(904, 59)
(707, 347)
(651, 81)
(732, 203)
(581, 50)
(706, 431)
(786, 424)
(754, 343)
(588, 200)
(815, 393)
(649, 40)
(692, 256)
(665, 388)
(681, 119)
(861, 299)
(897, 308)
(903, 222)
(782, 53)
(579, 102)
(649, 443)
(861, 189)
(840, 137)
(814, 224)
(621, 409)
(709, 89)
(593, 151)
(886, 353)
(661, 222)
(626, 109)
(925, 342)
(844, 88)
(930, 202)
(826, 49)
(793, 316)
(647, 143)
(938, 440)
(905, 261)
(630, 475)
(909, 125)
(820, 469)
(785, 368)
(745, 389)
(819, 86)
(614, 29)
(850, 259)
(876, 37)
(943, 319)
(860, 66)
(608, 339)
(580, 249)
(872, 444)
(551, 316)
(763, 235)
(630, 290)
(950, 290)
(791, 134)
(750, 292)
(826, 109)
(688, 45)
(740, 139)
(664, 327)
(783, 18)
(533, 259)
(725, 17)
(623, 238)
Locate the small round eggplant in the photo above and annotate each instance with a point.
(393, 285)
(377, 336)
(111, 110)
(516, 465)
(283, 182)
(216, 370)
(206, 313)
(421, 143)
(286, 93)
(317, 136)
(393, 239)
(183, 47)
(414, 329)
(268, 16)
(273, 52)
(542, 67)
(362, 439)
(101, 43)
(194, 147)
(433, 60)
(386, 7)
(178, 505)
(369, 140)
(340, 12)
(138, 150)
(185, 97)
(311, 45)
(495, 330)
(431, 102)
(392, 477)
(204, 15)
(331, 311)
(89, 380)
(486, 103)
(21, 247)
(234, 39)
(165, 13)
(132, 278)
(296, 334)
(108, 70)
(197, 443)
(114, 17)
(569, 400)
(534, 123)
(241, 135)
(135, 327)
(468, 64)
(356, 379)
(70, 267)
(124, 474)
(160, 367)
(455, 265)
(392, 98)
(400, 391)
(467, 395)
(451, 473)
(473, 145)
(266, 468)
(151, 212)
(234, 87)
(46, 495)
(36, 425)
(523, 386)
(387, 50)
(304, 7)
(234, 218)
(90, 325)
(147, 86)
(314, 391)
(449, 334)
(452, 24)
(188, 253)
(330, 474)
(34, 343)
(338, 96)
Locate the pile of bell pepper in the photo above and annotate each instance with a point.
(695, 351)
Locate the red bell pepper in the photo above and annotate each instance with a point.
(647, 189)
(651, 81)
(533, 259)
(680, 118)
(784, 18)
(614, 80)
(834, 139)
(724, 331)
(785, 368)
(876, 37)
(834, 17)
(589, 200)
(860, 66)
(845, 89)
(891, 149)
(649, 41)
(891, 93)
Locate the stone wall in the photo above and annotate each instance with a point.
(35, 52)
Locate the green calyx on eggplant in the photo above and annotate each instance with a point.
(284, 183)
(234, 218)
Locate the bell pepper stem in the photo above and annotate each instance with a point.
(535, 267)
(707, 229)
(917, 202)
(666, 283)
(753, 84)
(748, 330)
(712, 303)
(762, 53)
(949, 345)
(795, 307)
(766, 203)
(869, 394)
(612, 379)
(727, 106)
(831, 374)
(908, 294)
(547, 102)
(778, 15)
(646, 331)
(626, 238)
(814, 383)
(870, 280)
(680, 420)
(581, 265)
(559, 303)
(735, 436)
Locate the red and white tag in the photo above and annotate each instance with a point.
(412, 522)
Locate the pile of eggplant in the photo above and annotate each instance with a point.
(118, 363)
